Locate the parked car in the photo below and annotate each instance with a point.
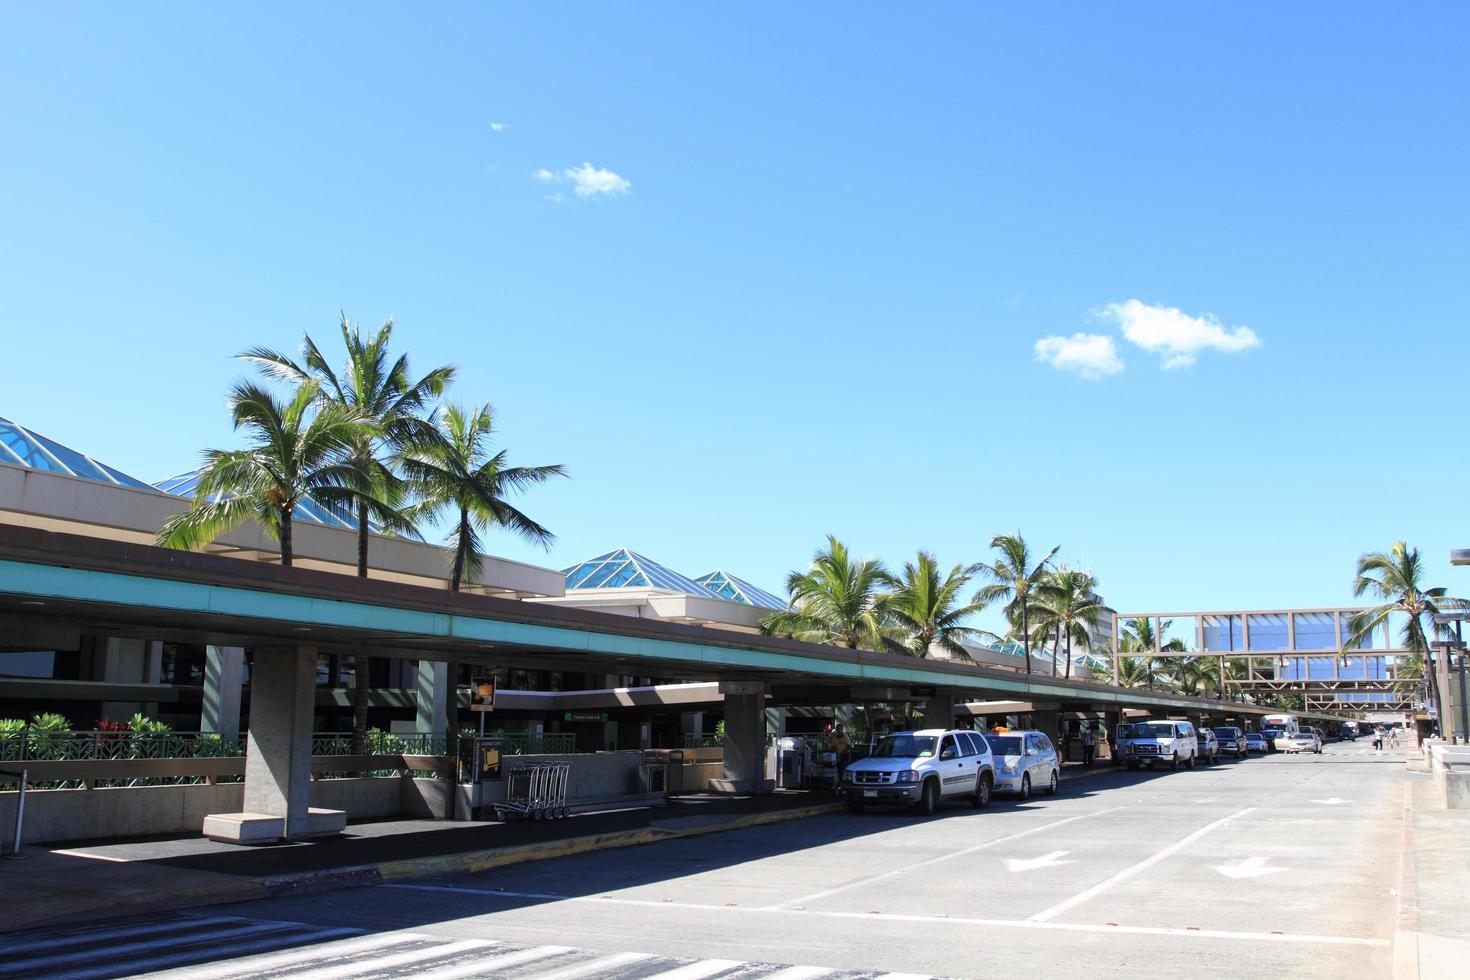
(1209, 745)
(1024, 761)
(1299, 741)
(1348, 731)
(1232, 741)
(1158, 742)
(1272, 734)
(921, 769)
(1317, 734)
(1257, 742)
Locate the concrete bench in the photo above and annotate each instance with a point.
(263, 828)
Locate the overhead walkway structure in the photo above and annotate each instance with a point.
(54, 582)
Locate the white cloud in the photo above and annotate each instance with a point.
(586, 180)
(499, 127)
(1174, 335)
(1091, 355)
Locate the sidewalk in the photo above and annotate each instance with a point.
(1432, 940)
(81, 883)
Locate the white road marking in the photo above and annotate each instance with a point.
(394, 960)
(500, 961)
(591, 967)
(1334, 801)
(93, 857)
(1133, 869)
(11, 949)
(77, 956)
(1051, 860)
(1274, 937)
(697, 971)
(864, 882)
(1251, 867)
(294, 957)
(797, 973)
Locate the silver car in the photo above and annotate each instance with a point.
(1024, 761)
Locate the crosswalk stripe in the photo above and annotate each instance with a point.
(501, 961)
(798, 973)
(208, 936)
(52, 937)
(189, 959)
(903, 976)
(592, 967)
(294, 957)
(697, 971)
(394, 960)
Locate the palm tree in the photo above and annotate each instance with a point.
(926, 608)
(299, 452)
(1013, 578)
(1189, 675)
(1068, 603)
(379, 389)
(451, 468)
(1393, 577)
(1132, 671)
(840, 600)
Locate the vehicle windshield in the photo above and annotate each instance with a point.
(1004, 744)
(905, 747)
(1226, 732)
(1146, 730)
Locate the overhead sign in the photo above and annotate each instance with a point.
(482, 691)
(923, 691)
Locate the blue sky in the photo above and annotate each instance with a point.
(804, 283)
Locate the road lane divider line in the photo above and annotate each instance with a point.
(947, 920)
(318, 948)
(963, 852)
(1133, 869)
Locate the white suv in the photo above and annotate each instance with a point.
(1150, 742)
(922, 768)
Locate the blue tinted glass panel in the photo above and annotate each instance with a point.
(1372, 641)
(1224, 632)
(1314, 631)
(1268, 632)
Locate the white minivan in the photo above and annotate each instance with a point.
(1158, 742)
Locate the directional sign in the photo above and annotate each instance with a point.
(1335, 801)
(1045, 861)
(1253, 867)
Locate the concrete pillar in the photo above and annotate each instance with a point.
(939, 711)
(124, 661)
(278, 754)
(432, 697)
(224, 672)
(1050, 721)
(691, 722)
(745, 739)
(776, 721)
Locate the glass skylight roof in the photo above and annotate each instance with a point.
(184, 485)
(20, 446)
(738, 590)
(624, 569)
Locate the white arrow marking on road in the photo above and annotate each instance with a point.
(1335, 801)
(1249, 868)
(1045, 861)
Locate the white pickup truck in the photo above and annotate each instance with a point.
(1150, 743)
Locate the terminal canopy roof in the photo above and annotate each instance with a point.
(738, 590)
(20, 446)
(626, 569)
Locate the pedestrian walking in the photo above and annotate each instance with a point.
(1088, 744)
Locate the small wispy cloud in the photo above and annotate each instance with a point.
(499, 127)
(1092, 355)
(586, 180)
(1174, 335)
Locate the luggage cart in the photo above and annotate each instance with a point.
(538, 792)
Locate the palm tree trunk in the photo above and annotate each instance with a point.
(459, 550)
(360, 662)
(1026, 634)
(1056, 649)
(286, 536)
(362, 540)
(1069, 654)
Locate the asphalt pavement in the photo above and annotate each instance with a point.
(1283, 866)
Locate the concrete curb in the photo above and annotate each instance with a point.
(310, 882)
(1406, 921)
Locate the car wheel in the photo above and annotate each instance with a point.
(928, 798)
(1026, 786)
(1190, 763)
(983, 790)
(1132, 766)
(1174, 763)
(856, 806)
(1051, 787)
